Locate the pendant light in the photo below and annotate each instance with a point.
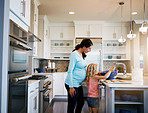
(131, 35)
(143, 29)
(121, 39)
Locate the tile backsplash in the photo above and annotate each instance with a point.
(108, 64)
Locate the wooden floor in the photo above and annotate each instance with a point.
(61, 107)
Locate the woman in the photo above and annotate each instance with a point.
(76, 75)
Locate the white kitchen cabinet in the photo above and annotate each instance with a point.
(88, 30)
(44, 45)
(62, 41)
(33, 98)
(21, 11)
(59, 84)
(61, 33)
(113, 50)
(114, 32)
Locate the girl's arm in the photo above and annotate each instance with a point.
(102, 77)
(106, 75)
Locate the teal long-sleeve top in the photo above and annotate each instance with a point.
(76, 71)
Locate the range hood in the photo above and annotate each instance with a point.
(33, 38)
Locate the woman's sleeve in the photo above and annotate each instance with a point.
(71, 68)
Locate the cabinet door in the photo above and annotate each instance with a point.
(95, 30)
(58, 84)
(81, 30)
(68, 33)
(33, 103)
(108, 33)
(15, 8)
(25, 11)
(56, 33)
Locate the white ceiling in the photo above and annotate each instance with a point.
(101, 10)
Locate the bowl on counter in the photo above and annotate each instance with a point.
(110, 57)
(118, 57)
(40, 70)
(126, 97)
(112, 75)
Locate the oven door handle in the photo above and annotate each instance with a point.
(47, 92)
(21, 78)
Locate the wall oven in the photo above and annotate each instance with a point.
(18, 70)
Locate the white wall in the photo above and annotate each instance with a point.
(4, 43)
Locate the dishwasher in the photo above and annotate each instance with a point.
(102, 98)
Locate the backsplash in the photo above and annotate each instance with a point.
(108, 64)
(61, 65)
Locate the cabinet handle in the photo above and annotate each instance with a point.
(35, 103)
(61, 35)
(23, 5)
(35, 17)
(32, 91)
(88, 33)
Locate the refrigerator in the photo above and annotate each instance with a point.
(95, 56)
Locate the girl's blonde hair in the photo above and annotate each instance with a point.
(92, 69)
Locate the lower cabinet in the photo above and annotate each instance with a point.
(33, 98)
(126, 100)
(59, 84)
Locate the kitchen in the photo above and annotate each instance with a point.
(54, 35)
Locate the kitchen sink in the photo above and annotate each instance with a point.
(128, 76)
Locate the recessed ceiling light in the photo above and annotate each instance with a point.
(71, 13)
(134, 13)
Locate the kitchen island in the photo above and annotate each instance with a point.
(126, 97)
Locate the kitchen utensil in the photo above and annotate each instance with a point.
(68, 44)
(125, 97)
(40, 70)
(120, 44)
(112, 75)
(110, 57)
(114, 44)
(61, 44)
(118, 57)
(108, 44)
(56, 44)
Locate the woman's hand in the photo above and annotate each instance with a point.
(72, 92)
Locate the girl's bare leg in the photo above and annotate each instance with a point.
(90, 110)
(95, 110)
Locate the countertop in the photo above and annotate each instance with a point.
(47, 73)
(31, 82)
(128, 84)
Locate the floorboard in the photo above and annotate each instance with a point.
(61, 107)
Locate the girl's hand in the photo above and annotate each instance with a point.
(72, 92)
(99, 72)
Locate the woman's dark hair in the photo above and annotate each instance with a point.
(84, 43)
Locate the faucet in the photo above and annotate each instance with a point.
(124, 73)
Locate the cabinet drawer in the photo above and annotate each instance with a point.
(33, 89)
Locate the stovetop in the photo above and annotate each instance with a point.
(38, 77)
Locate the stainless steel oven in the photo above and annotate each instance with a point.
(18, 70)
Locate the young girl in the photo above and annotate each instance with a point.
(92, 77)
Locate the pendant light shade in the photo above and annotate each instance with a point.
(143, 29)
(131, 35)
(121, 39)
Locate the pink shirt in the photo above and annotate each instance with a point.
(93, 90)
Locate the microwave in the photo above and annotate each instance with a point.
(18, 33)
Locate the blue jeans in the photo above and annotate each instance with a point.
(76, 101)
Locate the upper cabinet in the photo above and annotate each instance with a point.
(61, 41)
(20, 11)
(88, 29)
(44, 45)
(61, 33)
(113, 31)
